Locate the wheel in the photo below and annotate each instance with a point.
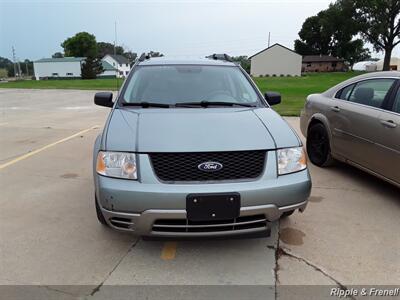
(287, 214)
(99, 214)
(318, 148)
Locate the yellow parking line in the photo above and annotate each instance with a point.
(169, 250)
(25, 156)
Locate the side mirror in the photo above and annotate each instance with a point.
(272, 98)
(103, 99)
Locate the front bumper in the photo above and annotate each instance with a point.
(149, 207)
(145, 223)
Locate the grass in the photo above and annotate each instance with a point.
(75, 84)
(294, 90)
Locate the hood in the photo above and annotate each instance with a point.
(195, 130)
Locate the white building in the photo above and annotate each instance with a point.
(66, 67)
(394, 64)
(120, 62)
(108, 70)
(276, 60)
(368, 66)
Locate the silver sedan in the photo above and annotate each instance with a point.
(357, 122)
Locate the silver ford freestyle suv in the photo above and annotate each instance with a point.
(191, 148)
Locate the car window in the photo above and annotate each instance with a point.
(371, 92)
(345, 92)
(170, 84)
(396, 106)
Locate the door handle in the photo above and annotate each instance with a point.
(389, 123)
(335, 108)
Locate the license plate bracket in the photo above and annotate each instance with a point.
(215, 206)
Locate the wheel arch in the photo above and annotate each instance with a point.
(320, 118)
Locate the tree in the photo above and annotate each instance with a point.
(27, 67)
(84, 44)
(332, 32)
(314, 39)
(90, 68)
(243, 61)
(7, 64)
(57, 55)
(4, 62)
(155, 54)
(379, 24)
(104, 48)
(131, 56)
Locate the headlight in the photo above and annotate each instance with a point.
(117, 164)
(291, 160)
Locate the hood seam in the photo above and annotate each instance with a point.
(265, 126)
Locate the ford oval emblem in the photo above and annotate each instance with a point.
(210, 166)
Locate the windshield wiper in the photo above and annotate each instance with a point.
(145, 104)
(216, 103)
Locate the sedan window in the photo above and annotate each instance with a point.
(371, 92)
(345, 92)
(396, 106)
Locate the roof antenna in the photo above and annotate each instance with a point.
(115, 53)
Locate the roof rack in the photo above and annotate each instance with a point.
(223, 56)
(144, 56)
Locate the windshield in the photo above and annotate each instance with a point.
(171, 84)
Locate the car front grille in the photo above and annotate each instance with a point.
(185, 225)
(170, 167)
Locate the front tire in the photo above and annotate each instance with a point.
(99, 214)
(318, 147)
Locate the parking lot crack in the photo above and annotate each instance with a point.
(52, 289)
(281, 251)
(98, 287)
(276, 268)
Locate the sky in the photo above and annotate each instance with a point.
(190, 28)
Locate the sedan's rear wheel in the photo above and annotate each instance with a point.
(318, 148)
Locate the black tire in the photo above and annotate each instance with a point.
(318, 147)
(99, 214)
(287, 214)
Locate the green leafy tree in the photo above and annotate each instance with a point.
(155, 54)
(4, 62)
(90, 68)
(314, 39)
(332, 32)
(57, 55)
(7, 65)
(84, 44)
(104, 48)
(27, 67)
(131, 56)
(379, 23)
(244, 62)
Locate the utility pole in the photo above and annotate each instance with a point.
(14, 62)
(19, 69)
(115, 37)
(269, 38)
(115, 53)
